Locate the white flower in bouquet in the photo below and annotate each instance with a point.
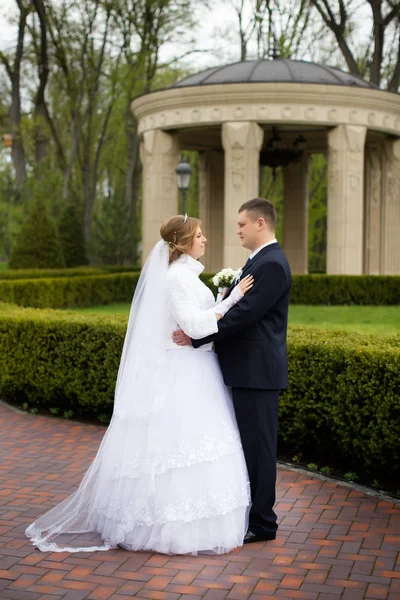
(224, 278)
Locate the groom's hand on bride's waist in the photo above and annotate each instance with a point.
(180, 338)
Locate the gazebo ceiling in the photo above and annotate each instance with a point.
(282, 70)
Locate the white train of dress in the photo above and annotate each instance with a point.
(172, 479)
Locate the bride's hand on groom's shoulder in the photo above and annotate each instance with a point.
(180, 338)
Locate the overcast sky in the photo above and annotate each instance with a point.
(216, 32)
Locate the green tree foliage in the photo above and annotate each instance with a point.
(71, 237)
(112, 239)
(10, 209)
(100, 56)
(317, 225)
(272, 188)
(80, 137)
(317, 216)
(38, 244)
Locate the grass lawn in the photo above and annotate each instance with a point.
(381, 320)
(3, 266)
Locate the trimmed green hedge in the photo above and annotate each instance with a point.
(343, 400)
(65, 291)
(59, 359)
(74, 272)
(369, 290)
(69, 292)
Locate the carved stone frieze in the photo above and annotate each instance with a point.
(269, 103)
(333, 115)
(353, 116)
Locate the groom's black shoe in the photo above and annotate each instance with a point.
(251, 537)
(123, 547)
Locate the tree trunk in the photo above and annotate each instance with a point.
(76, 133)
(379, 33)
(87, 191)
(243, 47)
(41, 140)
(14, 74)
(17, 151)
(131, 183)
(137, 177)
(395, 80)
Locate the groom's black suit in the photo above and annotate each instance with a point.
(251, 347)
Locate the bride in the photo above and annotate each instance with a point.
(170, 474)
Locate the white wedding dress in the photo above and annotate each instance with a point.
(170, 474)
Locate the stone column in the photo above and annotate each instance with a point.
(390, 245)
(373, 198)
(242, 141)
(295, 214)
(345, 200)
(211, 207)
(159, 152)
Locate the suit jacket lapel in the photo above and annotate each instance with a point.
(259, 255)
(251, 263)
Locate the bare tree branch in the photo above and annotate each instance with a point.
(395, 79)
(4, 60)
(391, 15)
(338, 29)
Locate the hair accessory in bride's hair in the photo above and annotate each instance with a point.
(185, 218)
(174, 242)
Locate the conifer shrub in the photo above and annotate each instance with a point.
(72, 237)
(38, 244)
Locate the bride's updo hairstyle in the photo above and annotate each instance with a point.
(179, 233)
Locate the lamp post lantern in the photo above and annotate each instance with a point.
(183, 173)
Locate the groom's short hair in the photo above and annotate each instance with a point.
(260, 207)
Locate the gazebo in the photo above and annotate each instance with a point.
(232, 114)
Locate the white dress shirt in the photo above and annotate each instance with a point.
(274, 241)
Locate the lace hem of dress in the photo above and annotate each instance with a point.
(148, 536)
(141, 512)
(36, 538)
(180, 455)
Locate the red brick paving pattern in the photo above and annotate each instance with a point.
(334, 542)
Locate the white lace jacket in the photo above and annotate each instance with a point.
(191, 302)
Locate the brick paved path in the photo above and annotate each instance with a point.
(333, 542)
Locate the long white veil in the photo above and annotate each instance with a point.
(145, 339)
(89, 519)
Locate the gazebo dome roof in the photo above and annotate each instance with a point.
(279, 70)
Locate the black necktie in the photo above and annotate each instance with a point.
(248, 261)
(246, 264)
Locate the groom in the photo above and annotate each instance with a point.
(251, 347)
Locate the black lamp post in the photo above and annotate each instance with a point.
(183, 173)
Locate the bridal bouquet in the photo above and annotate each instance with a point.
(224, 278)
